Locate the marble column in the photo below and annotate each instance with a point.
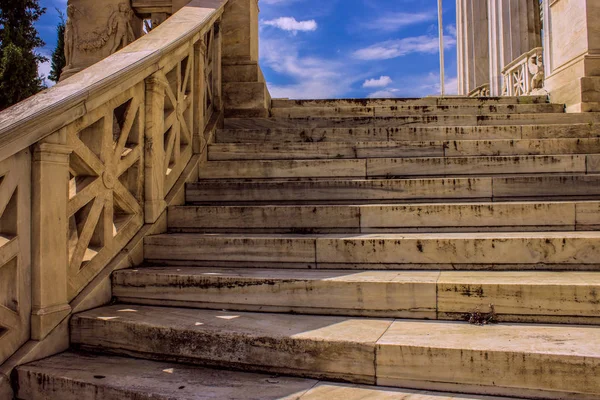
(473, 44)
(514, 29)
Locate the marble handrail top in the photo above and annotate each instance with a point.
(33, 119)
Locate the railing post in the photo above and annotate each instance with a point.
(50, 261)
(199, 142)
(218, 67)
(155, 153)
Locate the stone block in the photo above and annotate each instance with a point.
(231, 248)
(317, 346)
(380, 293)
(549, 362)
(258, 169)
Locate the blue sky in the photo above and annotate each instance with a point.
(341, 48)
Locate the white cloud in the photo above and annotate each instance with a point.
(384, 94)
(290, 24)
(392, 22)
(401, 47)
(277, 1)
(383, 81)
(44, 69)
(418, 86)
(306, 77)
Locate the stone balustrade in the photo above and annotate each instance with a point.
(480, 91)
(88, 168)
(525, 75)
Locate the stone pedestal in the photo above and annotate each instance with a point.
(573, 53)
(245, 92)
(95, 30)
(473, 45)
(514, 29)
(239, 30)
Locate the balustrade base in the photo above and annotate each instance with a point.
(6, 391)
(43, 321)
(579, 95)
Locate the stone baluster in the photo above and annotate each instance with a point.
(155, 152)
(50, 257)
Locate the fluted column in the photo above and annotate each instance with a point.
(473, 44)
(514, 29)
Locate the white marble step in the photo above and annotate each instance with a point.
(535, 296)
(403, 149)
(408, 121)
(406, 133)
(440, 217)
(80, 376)
(534, 361)
(400, 167)
(430, 101)
(434, 250)
(344, 191)
(405, 110)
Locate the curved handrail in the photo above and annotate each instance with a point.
(37, 117)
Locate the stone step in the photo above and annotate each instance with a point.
(448, 148)
(566, 297)
(407, 133)
(405, 110)
(445, 190)
(424, 101)
(534, 361)
(406, 121)
(400, 167)
(466, 250)
(452, 217)
(81, 376)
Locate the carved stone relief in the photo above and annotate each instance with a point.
(536, 69)
(95, 32)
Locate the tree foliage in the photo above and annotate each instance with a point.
(18, 58)
(58, 55)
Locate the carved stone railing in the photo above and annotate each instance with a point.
(88, 168)
(481, 91)
(525, 75)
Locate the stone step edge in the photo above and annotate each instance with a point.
(409, 167)
(90, 376)
(573, 250)
(461, 189)
(363, 217)
(389, 134)
(433, 295)
(415, 110)
(432, 100)
(413, 149)
(358, 350)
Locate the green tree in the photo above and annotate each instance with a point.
(18, 58)
(58, 55)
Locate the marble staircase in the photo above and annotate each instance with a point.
(362, 242)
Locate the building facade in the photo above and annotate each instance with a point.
(522, 47)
